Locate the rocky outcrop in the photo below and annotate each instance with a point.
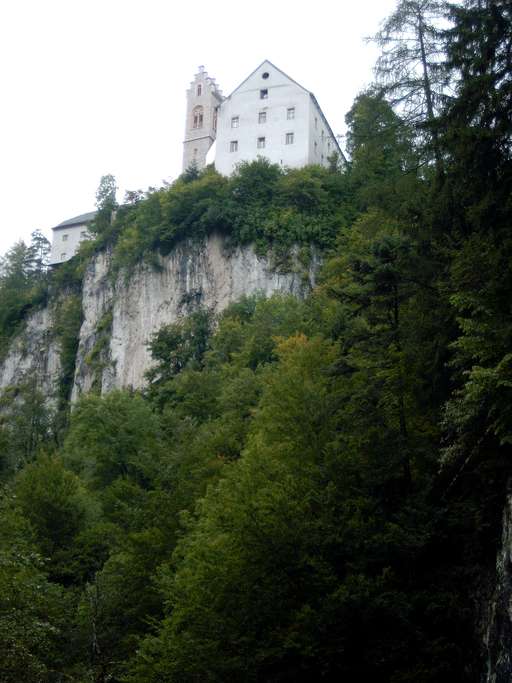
(134, 307)
(120, 314)
(33, 355)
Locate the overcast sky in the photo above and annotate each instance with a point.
(90, 87)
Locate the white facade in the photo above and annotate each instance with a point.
(270, 115)
(67, 237)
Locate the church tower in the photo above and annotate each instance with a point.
(203, 99)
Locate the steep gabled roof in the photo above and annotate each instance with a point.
(77, 220)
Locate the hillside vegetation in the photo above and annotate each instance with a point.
(306, 490)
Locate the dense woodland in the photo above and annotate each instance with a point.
(307, 489)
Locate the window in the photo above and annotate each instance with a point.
(197, 117)
(290, 113)
(63, 255)
(265, 75)
(322, 136)
(235, 121)
(195, 151)
(289, 138)
(264, 94)
(316, 147)
(233, 146)
(262, 117)
(261, 143)
(316, 123)
(329, 145)
(199, 90)
(64, 238)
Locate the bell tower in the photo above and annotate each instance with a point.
(203, 100)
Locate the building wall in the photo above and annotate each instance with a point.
(203, 97)
(66, 241)
(246, 104)
(320, 134)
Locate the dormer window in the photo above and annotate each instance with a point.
(199, 90)
(197, 117)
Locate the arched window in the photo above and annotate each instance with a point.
(197, 117)
(199, 89)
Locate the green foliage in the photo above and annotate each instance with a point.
(260, 203)
(106, 205)
(67, 322)
(54, 502)
(113, 437)
(384, 165)
(31, 609)
(26, 424)
(23, 285)
(98, 357)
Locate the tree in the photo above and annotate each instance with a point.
(113, 437)
(53, 500)
(106, 193)
(40, 249)
(26, 423)
(383, 168)
(477, 121)
(106, 204)
(409, 66)
(31, 608)
(178, 346)
(385, 349)
(22, 285)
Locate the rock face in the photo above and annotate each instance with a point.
(33, 355)
(193, 275)
(121, 314)
(497, 630)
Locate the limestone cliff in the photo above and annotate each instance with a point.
(121, 313)
(34, 354)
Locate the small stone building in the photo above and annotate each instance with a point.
(68, 235)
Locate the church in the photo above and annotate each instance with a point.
(268, 115)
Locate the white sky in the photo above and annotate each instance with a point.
(90, 87)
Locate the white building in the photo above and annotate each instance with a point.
(268, 115)
(68, 235)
